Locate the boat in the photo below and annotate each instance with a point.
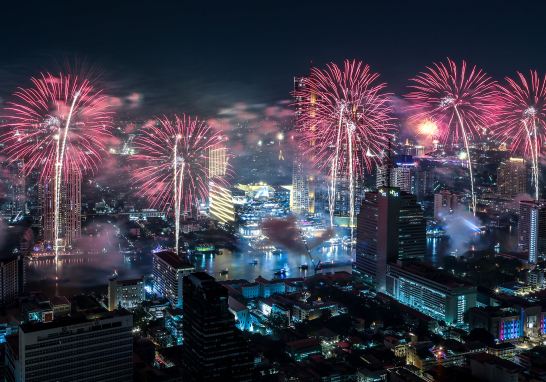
(304, 267)
(280, 272)
(276, 252)
(54, 280)
(254, 262)
(224, 272)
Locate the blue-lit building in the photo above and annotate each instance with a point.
(509, 322)
(173, 323)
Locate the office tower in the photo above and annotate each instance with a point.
(213, 348)
(390, 227)
(423, 182)
(512, 178)
(532, 229)
(300, 200)
(70, 211)
(221, 203)
(84, 348)
(429, 290)
(12, 279)
(127, 294)
(217, 162)
(16, 188)
(168, 271)
(444, 204)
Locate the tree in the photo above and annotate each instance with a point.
(276, 322)
(482, 335)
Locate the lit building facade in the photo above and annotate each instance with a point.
(444, 204)
(16, 188)
(390, 227)
(70, 210)
(221, 203)
(512, 178)
(168, 271)
(97, 347)
(126, 294)
(428, 290)
(532, 229)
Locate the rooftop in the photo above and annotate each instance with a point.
(304, 343)
(236, 305)
(173, 260)
(59, 300)
(431, 273)
(494, 360)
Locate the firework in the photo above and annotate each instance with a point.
(346, 122)
(461, 102)
(59, 125)
(176, 154)
(523, 117)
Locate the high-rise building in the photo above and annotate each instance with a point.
(390, 227)
(512, 178)
(16, 188)
(301, 198)
(444, 204)
(405, 175)
(126, 294)
(85, 348)
(168, 271)
(213, 348)
(221, 203)
(532, 229)
(12, 279)
(70, 211)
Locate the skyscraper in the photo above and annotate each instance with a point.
(12, 279)
(512, 178)
(70, 211)
(390, 227)
(16, 188)
(301, 199)
(405, 175)
(213, 348)
(532, 229)
(444, 204)
(220, 198)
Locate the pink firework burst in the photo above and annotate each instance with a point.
(460, 101)
(522, 117)
(60, 114)
(176, 154)
(339, 105)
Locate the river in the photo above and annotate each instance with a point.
(91, 273)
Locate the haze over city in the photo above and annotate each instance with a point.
(284, 191)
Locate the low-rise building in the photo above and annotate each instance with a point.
(300, 350)
(424, 355)
(250, 290)
(491, 368)
(241, 313)
(127, 294)
(173, 322)
(60, 305)
(302, 311)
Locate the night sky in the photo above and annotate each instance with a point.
(204, 57)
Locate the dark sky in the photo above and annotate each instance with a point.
(202, 56)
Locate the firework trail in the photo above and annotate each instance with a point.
(459, 101)
(522, 116)
(176, 156)
(58, 125)
(346, 123)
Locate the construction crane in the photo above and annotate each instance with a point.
(315, 267)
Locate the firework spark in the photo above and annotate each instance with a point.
(59, 125)
(461, 102)
(344, 113)
(522, 117)
(176, 156)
